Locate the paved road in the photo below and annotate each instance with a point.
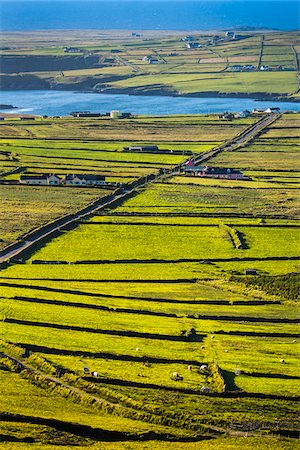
(236, 142)
(48, 231)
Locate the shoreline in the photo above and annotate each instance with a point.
(257, 96)
(161, 91)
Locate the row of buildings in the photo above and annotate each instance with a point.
(190, 169)
(50, 179)
(246, 113)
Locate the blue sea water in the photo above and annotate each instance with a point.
(148, 15)
(63, 102)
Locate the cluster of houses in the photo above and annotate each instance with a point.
(51, 179)
(242, 68)
(190, 169)
(188, 38)
(190, 42)
(251, 68)
(229, 36)
(243, 114)
(238, 115)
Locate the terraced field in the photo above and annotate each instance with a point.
(139, 328)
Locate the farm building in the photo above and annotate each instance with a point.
(269, 110)
(213, 172)
(191, 45)
(85, 114)
(141, 148)
(226, 116)
(242, 68)
(242, 114)
(187, 38)
(231, 35)
(72, 50)
(45, 179)
(83, 180)
(150, 60)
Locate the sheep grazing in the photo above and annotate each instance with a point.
(203, 367)
(86, 370)
(176, 376)
(190, 368)
(202, 347)
(226, 351)
(95, 374)
(137, 349)
(212, 337)
(282, 361)
(205, 390)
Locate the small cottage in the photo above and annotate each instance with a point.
(242, 114)
(191, 45)
(213, 172)
(72, 50)
(141, 148)
(150, 60)
(83, 180)
(45, 179)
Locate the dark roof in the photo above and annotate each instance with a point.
(144, 147)
(212, 170)
(85, 177)
(34, 177)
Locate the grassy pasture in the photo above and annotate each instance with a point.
(259, 359)
(51, 145)
(119, 131)
(273, 82)
(116, 317)
(113, 242)
(28, 208)
(124, 242)
(24, 398)
(209, 200)
(145, 325)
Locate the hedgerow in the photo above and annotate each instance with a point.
(233, 235)
(285, 286)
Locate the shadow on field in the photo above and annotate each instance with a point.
(154, 313)
(109, 356)
(96, 434)
(123, 333)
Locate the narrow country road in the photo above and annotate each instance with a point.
(34, 238)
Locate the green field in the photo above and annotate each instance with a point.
(115, 61)
(154, 287)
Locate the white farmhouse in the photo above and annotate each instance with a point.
(83, 180)
(45, 179)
